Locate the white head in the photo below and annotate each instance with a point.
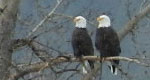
(104, 21)
(80, 22)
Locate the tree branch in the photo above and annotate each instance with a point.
(46, 17)
(133, 22)
(122, 33)
(26, 69)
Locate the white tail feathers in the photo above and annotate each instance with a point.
(113, 70)
(84, 70)
(85, 67)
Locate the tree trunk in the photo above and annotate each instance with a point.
(8, 17)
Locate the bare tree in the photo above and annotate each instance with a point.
(46, 57)
(8, 18)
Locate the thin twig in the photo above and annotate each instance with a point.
(46, 18)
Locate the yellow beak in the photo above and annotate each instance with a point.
(99, 19)
(75, 20)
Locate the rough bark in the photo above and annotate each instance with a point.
(35, 67)
(133, 22)
(7, 25)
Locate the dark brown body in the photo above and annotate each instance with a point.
(107, 43)
(82, 44)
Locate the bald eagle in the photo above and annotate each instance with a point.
(107, 41)
(81, 42)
